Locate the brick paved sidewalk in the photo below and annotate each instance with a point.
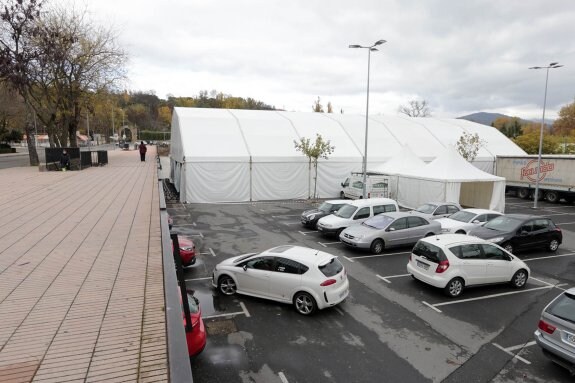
(81, 288)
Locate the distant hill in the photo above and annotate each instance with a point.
(486, 118)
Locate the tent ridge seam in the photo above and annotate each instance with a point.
(346, 133)
(241, 132)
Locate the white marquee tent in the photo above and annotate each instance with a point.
(223, 155)
(451, 178)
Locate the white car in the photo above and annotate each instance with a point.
(307, 278)
(465, 220)
(435, 210)
(454, 261)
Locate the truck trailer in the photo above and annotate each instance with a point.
(556, 176)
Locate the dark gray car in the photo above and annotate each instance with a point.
(389, 230)
(309, 218)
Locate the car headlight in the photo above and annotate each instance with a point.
(496, 239)
(311, 217)
(187, 248)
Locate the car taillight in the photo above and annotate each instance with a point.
(368, 195)
(544, 326)
(443, 265)
(328, 282)
(409, 257)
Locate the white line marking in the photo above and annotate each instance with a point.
(196, 235)
(431, 306)
(290, 223)
(520, 346)
(339, 311)
(306, 232)
(204, 253)
(539, 280)
(193, 223)
(564, 223)
(181, 215)
(392, 276)
(349, 259)
(382, 278)
(197, 279)
(212, 251)
(548, 257)
(492, 296)
(380, 255)
(512, 354)
(185, 224)
(324, 244)
(224, 315)
(245, 309)
(291, 215)
(282, 377)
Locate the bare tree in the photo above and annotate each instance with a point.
(415, 109)
(314, 151)
(317, 107)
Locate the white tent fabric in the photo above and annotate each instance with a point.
(224, 155)
(404, 161)
(451, 178)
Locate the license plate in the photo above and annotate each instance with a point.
(571, 338)
(424, 266)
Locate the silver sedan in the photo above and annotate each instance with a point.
(389, 230)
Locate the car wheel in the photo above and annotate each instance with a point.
(460, 232)
(523, 193)
(553, 245)
(454, 288)
(552, 196)
(377, 246)
(338, 232)
(429, 234)
(227, 285)
(508, 247)
(304, 303)
(519, 279)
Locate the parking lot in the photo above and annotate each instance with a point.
(391, 327)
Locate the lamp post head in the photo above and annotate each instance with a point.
(373, 49)
(354, 46)
(553, 64)
(379, 42)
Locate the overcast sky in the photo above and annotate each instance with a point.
(462, 56)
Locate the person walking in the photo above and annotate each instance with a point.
(143, 151)
(65, 161)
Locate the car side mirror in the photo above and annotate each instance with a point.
(391, 229)
(245, 267)
(342, 184)
(476, 222)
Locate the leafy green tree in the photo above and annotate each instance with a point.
(314, 151)
(530, 143)
(468, 145)
(510, 127)
(565, 124)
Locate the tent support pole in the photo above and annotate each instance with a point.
(251, 199)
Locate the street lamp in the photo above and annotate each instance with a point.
(364, 166)
(550, 66)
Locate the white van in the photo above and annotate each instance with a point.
(355, 212)
(377, 186)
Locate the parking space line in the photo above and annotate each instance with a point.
(512, 354)
(564, 223)
(224, 315)
(349, 259)
(380, 255)
(291, 215)
(324, 244)
(211, 251)
(245, 309)
(290, 223)
(548, 257)
(338, 310)
(520, 346)
(391, 276)
(539, 280)
(181, 215)
(186, 224)
(307, 232)
(431, 306)
(492, 296)
(197, 279)
(196, 235)
(282, 377)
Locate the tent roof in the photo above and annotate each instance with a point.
(405, 160)
(450, 166)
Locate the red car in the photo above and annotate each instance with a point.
(187, 250)
(196, 338)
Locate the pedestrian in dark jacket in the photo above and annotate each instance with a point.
(65, 160)
(143, 151)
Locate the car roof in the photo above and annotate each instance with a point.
(452, 239)
(337, 201)
(398, 214)
(481, 211)
(524, 217)
(372, 201)
(299, 253)
(439, 203)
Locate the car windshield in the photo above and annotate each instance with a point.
(428, 208)
(503, 223)
(193, 303)
(244, 257)
(325, 207)
(333, 267)
(380, 221)
(429, 251)
(462, 216)
(346, 211)
(564, 307)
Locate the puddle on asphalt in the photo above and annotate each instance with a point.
(210, 300)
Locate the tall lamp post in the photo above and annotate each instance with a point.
(364, 166)
(550, 66)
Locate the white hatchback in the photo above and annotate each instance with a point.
(309, 279)
(455, 261)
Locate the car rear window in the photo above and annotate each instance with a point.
(563, 307)
(333, 267)
(429, 251)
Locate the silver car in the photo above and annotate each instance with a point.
(465, 220)
(435, 210)
(389, 230)
(556, 330)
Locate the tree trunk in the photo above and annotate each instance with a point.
(315, 179)
(32, 153)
